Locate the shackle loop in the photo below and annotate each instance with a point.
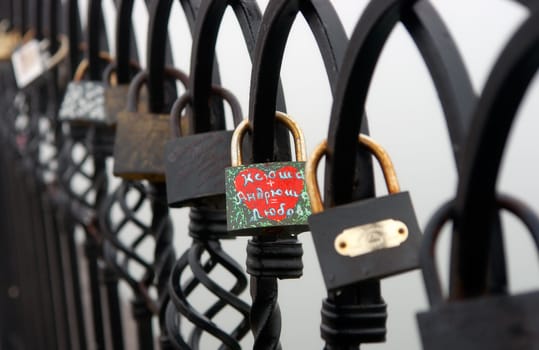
(61, 53)
(244, 126)
(374, 147)
(135, 87)
(83, 66)
(444, 215)
(184, 126)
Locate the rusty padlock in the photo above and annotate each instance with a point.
(267, 198)
(195, 163)
(373, 238)
(494, 322)
(141, 136)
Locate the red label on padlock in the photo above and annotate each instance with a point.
(266, 195)
(274, 194)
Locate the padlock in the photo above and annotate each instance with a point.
(141, 136)
(83, 109)
(372, 238)
(195, 163)
(32, 61)
(492, 322)
(84, 100)
(267, 198)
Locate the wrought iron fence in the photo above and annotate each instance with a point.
(98, 152)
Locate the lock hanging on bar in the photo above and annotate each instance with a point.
(372, 238)
(84, 100)
(116, 95)
(141, 136)
(267, 198)
(493, 322)
(195, 162)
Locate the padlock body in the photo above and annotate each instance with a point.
(195, 168)
(493, 322)
(267, 198)
(340, 270)
(84, 103)
(115, 100)
(139, 144)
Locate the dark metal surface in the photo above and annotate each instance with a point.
(56, 183)
(159, 11)
(268, 145)
(486, 142)
(339, 270)
(207, 220)
(206, 227)
(463, 323)
(189, 154)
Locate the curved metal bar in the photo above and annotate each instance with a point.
(530, 4)
(451, 81)
(368, 39)
(123, 40)
(494, 115)
(191, 258)
(276, 23)
(172, 316)
(348, 176)
(268, 142)
(446, 66)
(74, 34)
(458, 100)
(111, 232)
(442, 58)
(158, 29)
(94, 34)
(36, 19)
(209, 17)
(160, 230)
(447, 212)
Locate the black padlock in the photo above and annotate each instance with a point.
(492, 322)
(372, 238)
(141, 136)
(195, 163)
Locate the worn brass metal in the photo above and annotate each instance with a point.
(244, 126)
(374, 147)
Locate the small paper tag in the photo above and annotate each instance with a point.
(28, 63)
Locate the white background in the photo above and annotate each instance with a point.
(405, 116)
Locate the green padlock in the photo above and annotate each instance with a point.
(267, 198)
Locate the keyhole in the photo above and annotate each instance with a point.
(402, 231)
(342, 244)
